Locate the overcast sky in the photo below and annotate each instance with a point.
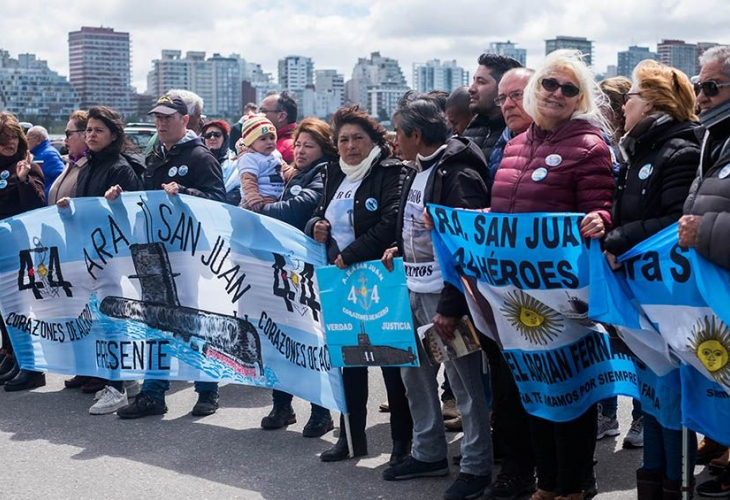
(335, 33)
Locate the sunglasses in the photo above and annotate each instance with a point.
(69, 132)
(211, 135)
(627, 96)
(552, 85)
(711, 88)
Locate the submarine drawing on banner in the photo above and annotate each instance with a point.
(365, 353)
(230, 340)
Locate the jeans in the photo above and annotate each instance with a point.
(465, 377)
(156, 389)
(663, 449)
(282, 398)
(609, 408)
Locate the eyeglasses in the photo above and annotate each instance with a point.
(627, 96)
(69, 132)
(264, 111)
(515, 95)
(711, 88)
(552, 85)
(211, 135)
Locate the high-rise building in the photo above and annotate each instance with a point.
(99, 67)
(226, 88)
(508, 49)
(628, 59)
(329, 88)
(434, 75)
(295, 74)
(678, 54)
(377, 83)
(582, 44)
(29, 88)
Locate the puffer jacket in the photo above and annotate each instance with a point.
(188, 163)
(374, 223)
(485, 133)
(709, 196)
(17, 197)
(301, 196)
(106, 169)
(565, 170)
(654, 184)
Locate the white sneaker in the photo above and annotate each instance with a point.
(635, 437)
(110, 400)
(132, 388)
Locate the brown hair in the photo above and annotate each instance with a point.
(615, 88)
(80, 119)
(321, 132)
(9, 127)
(114, 123)
(667, 90)
(353, 115)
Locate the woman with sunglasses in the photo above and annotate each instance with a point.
(660, 154)
(216, 134)
(562, 163)
(65, 185)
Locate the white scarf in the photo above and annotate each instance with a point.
(354, 173)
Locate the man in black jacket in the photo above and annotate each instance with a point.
(488, 124)
(448, 172)
(180, 164)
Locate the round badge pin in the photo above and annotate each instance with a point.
(553, 160)
(646, 171)
(295, 190)
(371, 204)
(4, 174)
(539, 174)
(3, 183)
(183, 170)
(725, 171)
(172, 172)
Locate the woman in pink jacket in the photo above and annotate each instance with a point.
(562, 163)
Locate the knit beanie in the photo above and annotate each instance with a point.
(255, 127)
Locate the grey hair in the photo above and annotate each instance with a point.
(37, 129)
(592, 99)
(721, 54)
(523, 72)
(422, 112)
(192, 100)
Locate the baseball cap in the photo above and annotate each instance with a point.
(168, 105)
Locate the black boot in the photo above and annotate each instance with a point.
(280, 416)
(10, 374)
(648, 485)
(320, 423)
(401, 451)
(26, 380)
(672, 490)
(340, 450)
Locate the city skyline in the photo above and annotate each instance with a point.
(337, 33)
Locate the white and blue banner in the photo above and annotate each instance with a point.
(684, 297)
(526, 278)
(177, 288)
(367, 315)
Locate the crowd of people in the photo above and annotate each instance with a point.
(630, 154)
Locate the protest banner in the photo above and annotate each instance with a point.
(526, 279)
(367, 315)
(177, 288)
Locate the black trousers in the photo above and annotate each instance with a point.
(7, 346)
(282, 398)
(510, 422)
(564, 452)
(356, 395)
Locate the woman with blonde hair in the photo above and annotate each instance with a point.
(660, 154)
(562, 163)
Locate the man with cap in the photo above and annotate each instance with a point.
(180, 164)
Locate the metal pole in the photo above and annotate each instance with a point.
(686, 473)
(348, 434)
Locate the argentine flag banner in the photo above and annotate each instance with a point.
(166, 287)
(527, 281)
(685, 298)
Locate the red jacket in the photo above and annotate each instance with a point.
(566, 170)
(285, 142)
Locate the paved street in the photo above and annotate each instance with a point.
(53, 449)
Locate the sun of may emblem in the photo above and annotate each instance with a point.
(710, 342)
(536, 322)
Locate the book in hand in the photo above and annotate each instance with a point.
(438, 350)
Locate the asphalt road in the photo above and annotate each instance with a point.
(51, 448)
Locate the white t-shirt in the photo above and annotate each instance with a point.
(423, 273)
(341, 214)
